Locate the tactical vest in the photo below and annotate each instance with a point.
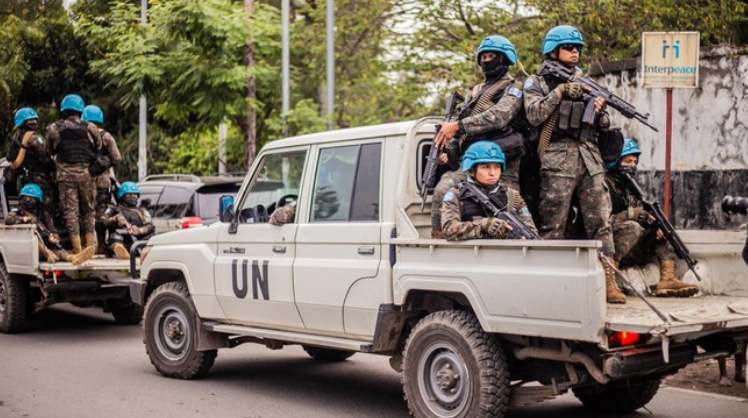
(570, 114)
(133, 216)
(31, 163)
(75, 145)
(620, 197)
(471, 209)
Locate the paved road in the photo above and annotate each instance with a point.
(77, 363)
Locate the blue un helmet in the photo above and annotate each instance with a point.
(23, 115)
(496, 43)
(483, 152)
(629, 148)
(32, 190)
(73, 102)
(93, 113)
(561, 35)
(127, 188)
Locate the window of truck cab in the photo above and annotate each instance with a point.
(347, 182)
(279, 174)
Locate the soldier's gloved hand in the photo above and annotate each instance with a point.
(495, 227)
(571, 90)
(639, 215)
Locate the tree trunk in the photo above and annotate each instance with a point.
(250, 144)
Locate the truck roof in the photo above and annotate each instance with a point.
(387, 129)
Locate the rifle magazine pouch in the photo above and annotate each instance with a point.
(577, 112)
(564, 113)
(610, 143)
(99, 165)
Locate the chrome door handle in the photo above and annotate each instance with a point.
(281, 249)
(366, 250)
(234, 250)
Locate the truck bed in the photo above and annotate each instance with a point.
(689, 315)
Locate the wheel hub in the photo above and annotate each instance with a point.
(174, 330)
(444, 381)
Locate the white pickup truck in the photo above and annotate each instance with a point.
(474, 327)
(28, 285)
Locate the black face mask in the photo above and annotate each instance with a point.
(31, 126)
(631, 170)
(495, 68)
(130, 201)
(29, 206)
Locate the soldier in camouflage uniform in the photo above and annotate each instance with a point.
(570, 164)
(94, 114)
(31, 162)
(636, 243)
(74, 144)
(127, 222)
(491, 111)
(462, 216)
(30, 199)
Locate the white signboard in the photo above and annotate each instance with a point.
(670, 60)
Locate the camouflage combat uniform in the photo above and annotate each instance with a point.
(47, 250)
(37, 167)
(74, 143)
(630, 227)
(104, 184)
(568, 166)
(118, 220)
(463, 218)
(475, 128)
(284, 215)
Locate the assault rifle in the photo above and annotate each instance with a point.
(568, 75)
(662, 223)
(428, 180)
(519, 229)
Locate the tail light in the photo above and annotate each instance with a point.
(191, 221)
(48, 274)
(624, 338)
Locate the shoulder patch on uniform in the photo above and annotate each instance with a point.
(449, 196)
(529, 83)
(515, 92)
(525, 212)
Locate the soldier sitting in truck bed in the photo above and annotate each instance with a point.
(463, 217)
(127, 222)
(31, 198)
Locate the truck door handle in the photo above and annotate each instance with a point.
(281, 249)
(366, 250)
(234, 250)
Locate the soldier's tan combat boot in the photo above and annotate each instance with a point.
(75, 242)
(613, 293)
(83, 256)
(89, 240)
(670, 285)
(121, 252)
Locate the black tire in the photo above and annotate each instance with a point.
(169, 329)
(453, 369)
(14, 307)
(127, 314)
(327, 354)
(625, 396)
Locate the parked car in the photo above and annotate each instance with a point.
(178, 201)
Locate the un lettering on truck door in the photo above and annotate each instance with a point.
(259, 279)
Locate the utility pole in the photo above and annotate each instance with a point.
(250, 144)
(222, 133)
(330, 64)
(143, 111)
(285, 39)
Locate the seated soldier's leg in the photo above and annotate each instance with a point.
(116, 245)
(626, 234)
(669, 284)
(45, 253)
(103, 196)
(449, 180)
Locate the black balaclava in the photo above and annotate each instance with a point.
(494, 69)
(30, 125)
(29, 205)
(631, 170)
(130, 200)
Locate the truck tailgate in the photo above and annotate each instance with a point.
(686, 318)
(108, 269)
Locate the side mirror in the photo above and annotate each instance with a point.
(226, 208)
(145, 203)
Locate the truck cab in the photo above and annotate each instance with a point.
(474, 327)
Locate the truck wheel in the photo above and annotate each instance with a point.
(326, 354)
(128, 314)
(452, 368)
(170, 334)
(13, 302)
(626, 396)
